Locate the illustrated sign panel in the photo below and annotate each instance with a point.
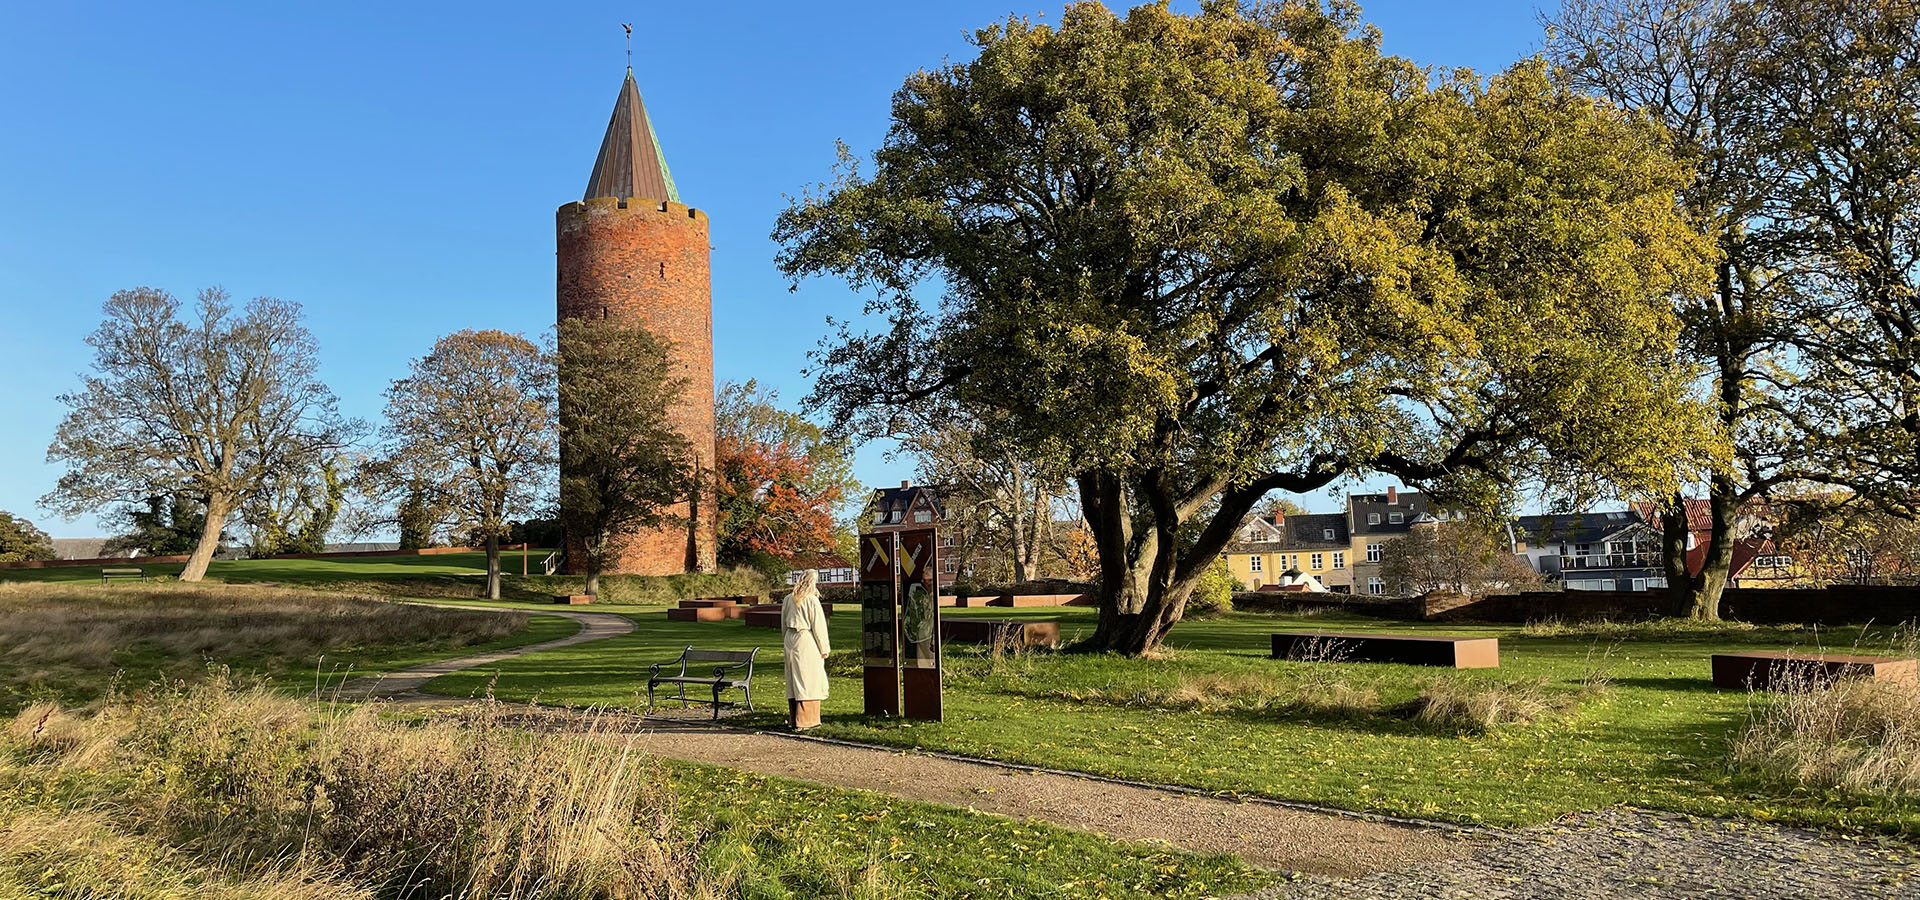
(879, 623)
(917, 562)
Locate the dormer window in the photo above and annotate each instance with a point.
(1373, 518)
(1326, 534)
(1396, 518)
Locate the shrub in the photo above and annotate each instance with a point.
(1478, 706)
(1214, 594)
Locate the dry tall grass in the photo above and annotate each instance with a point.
(259, 788)
(56, 635)
(1852, 735)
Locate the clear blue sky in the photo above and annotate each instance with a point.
(395, 166)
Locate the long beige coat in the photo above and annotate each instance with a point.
(804, 625)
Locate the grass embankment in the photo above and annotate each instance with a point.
(1610, 715)
(71, 643)
(447, 576)
(214, 791)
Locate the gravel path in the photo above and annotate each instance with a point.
(1264, 834)
(1647, 856)
(391, 685)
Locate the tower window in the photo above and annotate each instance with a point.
(663, 270)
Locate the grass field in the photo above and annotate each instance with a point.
(212, 772)
(459, 576)
(1215, 713)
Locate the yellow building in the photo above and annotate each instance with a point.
(1315, 544)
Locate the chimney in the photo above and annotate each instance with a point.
(905, 484)
(1393, 495)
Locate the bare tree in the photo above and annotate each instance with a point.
(1000, 502)
(623, 466)
(470, 431)
(1464, 556)
(213, 409)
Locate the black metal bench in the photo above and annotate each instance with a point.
(722, 680)
(110, 574)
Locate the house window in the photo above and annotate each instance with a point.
(1373, 552)
(1318, 559)
(946, 540)
(949, 565)
(1376, 586)
(923, 515)
(1373, 518)
(1326, 534)
(1253, 563)
(1339, 559)
(1397, 518)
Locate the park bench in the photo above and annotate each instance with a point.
(734, 671)
(107, 575)
(1407, 649)
(1012, 633)
(1038, 600)
(1765, 669)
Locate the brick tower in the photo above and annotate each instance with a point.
(631, 252)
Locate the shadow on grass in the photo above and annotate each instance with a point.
(1702, 685)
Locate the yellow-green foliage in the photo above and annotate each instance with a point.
(1214, 593)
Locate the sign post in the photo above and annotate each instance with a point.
(879, 624)
(920, 623)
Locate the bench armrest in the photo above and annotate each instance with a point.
(720, 671)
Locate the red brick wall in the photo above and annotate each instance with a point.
(646, 262)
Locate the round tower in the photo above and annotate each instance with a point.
(631, 253)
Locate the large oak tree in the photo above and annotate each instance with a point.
(1208, 257)
(215, 408)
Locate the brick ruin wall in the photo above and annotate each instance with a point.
(647, 262)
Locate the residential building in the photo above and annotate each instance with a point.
(835, 570)
(1313, 544)
(1373, 521)
(1592, 551)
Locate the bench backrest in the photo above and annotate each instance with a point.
(720, 656)
(119, 571)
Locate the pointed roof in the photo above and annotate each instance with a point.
(630, 162)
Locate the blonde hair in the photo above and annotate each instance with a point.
(807, 584)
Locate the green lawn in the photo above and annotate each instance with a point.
(1656, 737)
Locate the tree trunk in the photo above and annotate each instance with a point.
(493, 566)
(1143, 586)
(218, 508)
(1716, 571)
(1674, 529)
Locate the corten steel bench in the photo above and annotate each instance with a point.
(573, 599)
(1766, 669)
(700, 614)
(1407, 649)
(722, 680)
(109, 574)
(1002, 632)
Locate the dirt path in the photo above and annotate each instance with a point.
(390, 685)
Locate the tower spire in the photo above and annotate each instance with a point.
(631, 163)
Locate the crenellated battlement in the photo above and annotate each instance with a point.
(635, 206)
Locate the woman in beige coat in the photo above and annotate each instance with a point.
(804, 625)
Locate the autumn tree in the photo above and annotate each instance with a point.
(470, 436)
(294, 514)
(994, 499)
(623, 466)
(20, 541)
(214, 407)
(1690, 65)
(1835, 103)
(1460, 555)
(1844, 538)
(779, 481)
(1204, 258)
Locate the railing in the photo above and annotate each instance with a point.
(1551, 564)
(551, 563)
